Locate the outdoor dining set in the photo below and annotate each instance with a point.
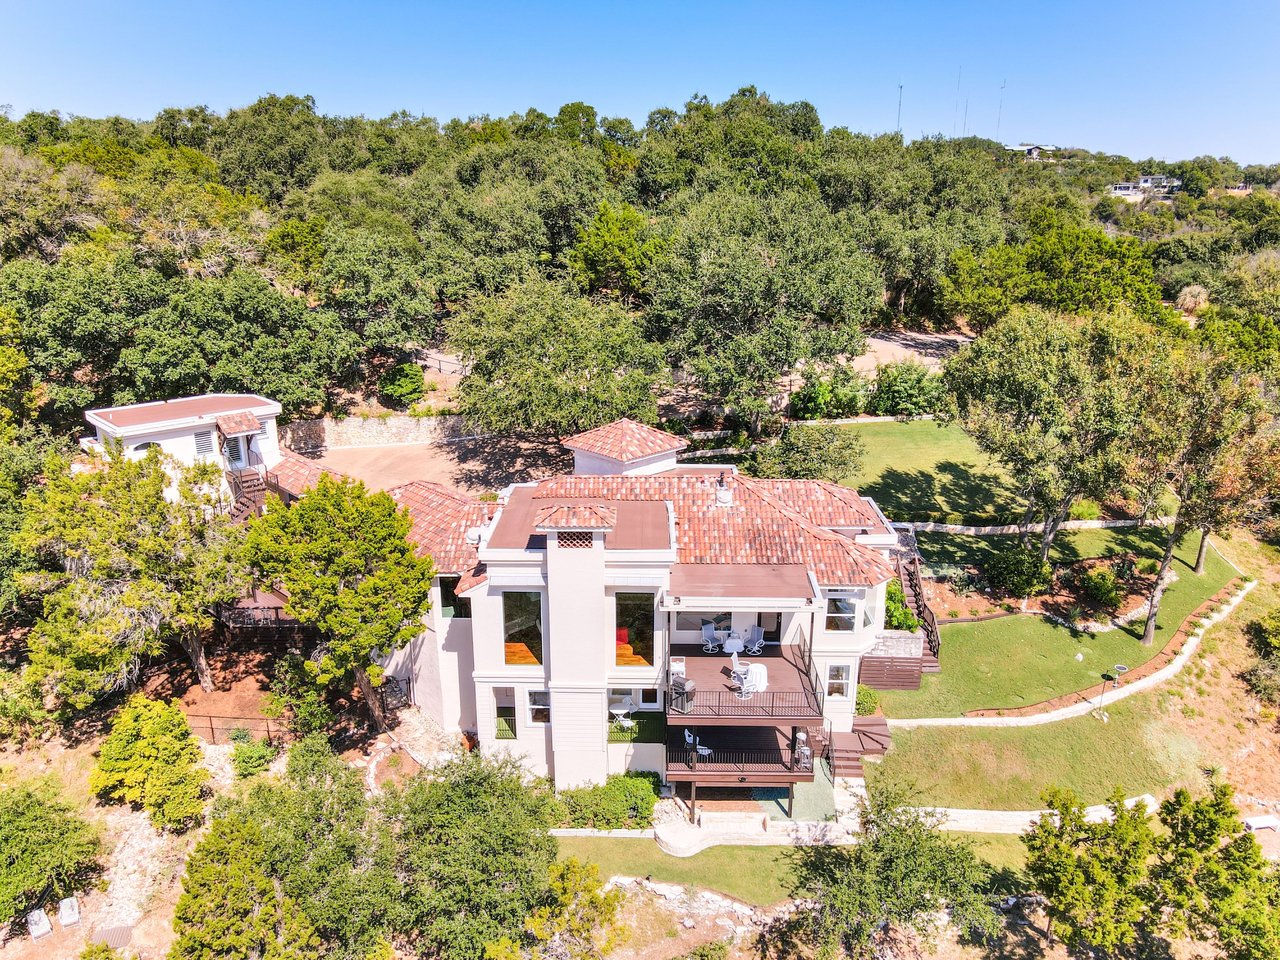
(749, 678)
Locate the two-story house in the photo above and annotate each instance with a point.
(601, 621)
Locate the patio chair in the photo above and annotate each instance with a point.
(626, 723)
(38, 925)
(738, 667)
(68, 912)
(755, 641)
(756, 680)
(691, 741)
(710, 642)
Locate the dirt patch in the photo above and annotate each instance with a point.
(944, 600)
(892, 346)
(475, 466)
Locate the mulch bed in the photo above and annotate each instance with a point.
(1161, 659)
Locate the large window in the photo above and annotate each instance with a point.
(504, 704)
(693, 620)
(842, 614)
(539, 706)
(634, 630)
(838, 680)
(452, 606)
(522, 627)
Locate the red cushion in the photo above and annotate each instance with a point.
(623, 636)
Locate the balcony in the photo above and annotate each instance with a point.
(751, 757)
(789, 700)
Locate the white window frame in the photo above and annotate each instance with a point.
(529, 695)
(239, 447)
(854, 599)
(846, 680)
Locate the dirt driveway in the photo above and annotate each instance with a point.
(475, 466)
(890, 346)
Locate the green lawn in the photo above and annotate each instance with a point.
(758, 875)
(1008, 768)
(1025, 659)
(918, 468)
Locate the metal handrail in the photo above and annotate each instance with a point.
(738, 759)
(778, 703)
(923, 610)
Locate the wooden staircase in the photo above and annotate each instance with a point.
(250, 492)
(868, 738)
(909, 574)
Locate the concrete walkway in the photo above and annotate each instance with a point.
(1084, 707)
(1019, 821)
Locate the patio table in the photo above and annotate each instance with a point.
(620, 708)
(734, 643)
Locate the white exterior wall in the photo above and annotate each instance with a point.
(832, 648)
(594, 465)
(438, 663)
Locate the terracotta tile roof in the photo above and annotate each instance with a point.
(625, 440)
(297, 475)
(575, 516)
(758, 528)
(826, 504)
(441, 518)
(235, 424)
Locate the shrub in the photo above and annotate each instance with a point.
(867, 701)
(402, 386)
(1018, 572)
(841, 393)
(897, 615)
(906, 389)
(1101, 586)
(623, 801)
(46, 849)
(715, 950)
(151, 760)
(250, 756)
(1263, 680)
(1265, 634)
(1085, 510)
(1148, 565)
(296, 693)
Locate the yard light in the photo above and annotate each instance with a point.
(1117, 672)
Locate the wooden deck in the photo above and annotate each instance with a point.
(789, 700)
(745, 756)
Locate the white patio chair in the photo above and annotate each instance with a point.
(626, 723)
(691, 741)
(738, 667)
(710, 642)
(68, 912)
(38, 925)
(755, 641)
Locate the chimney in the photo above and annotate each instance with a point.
(724, 493)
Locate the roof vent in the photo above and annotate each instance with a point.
(473, 536)
(724, 493)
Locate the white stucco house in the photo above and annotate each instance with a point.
(569, 618)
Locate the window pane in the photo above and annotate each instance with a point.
(845, 605)
(539, 706)
(840, 624)
(694, 620)
(453, 606)
(838, 672)
(837, 689)
(522, 627)
(634, 633)
(649, 697)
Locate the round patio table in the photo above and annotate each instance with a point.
(734, 644)
(620, 708)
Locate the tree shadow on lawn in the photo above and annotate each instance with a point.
(951, 487)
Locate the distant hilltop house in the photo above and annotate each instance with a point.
(1153, 185)
(1032, 151)
(237, 431)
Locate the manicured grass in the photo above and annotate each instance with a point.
(1008, 768)
(758, 875)
(917, 467)
(1020, 660)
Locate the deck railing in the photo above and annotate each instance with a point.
(726, 703)
(927, 620)
(744, 760)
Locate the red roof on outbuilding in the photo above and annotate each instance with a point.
(625, 441)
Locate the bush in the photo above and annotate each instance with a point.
(624, 801)
(715, 950)
(1263, 680)
(1018, 572)
(866, 702)
(897, 615)
(841, 393)
(1264, 633)
(1085, 510)
(1101, 586)
(47, 850)
(151, 760)
(402, 386)
(906, 389)
(250, 756)
(296, 693)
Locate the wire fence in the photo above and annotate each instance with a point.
(217, 729)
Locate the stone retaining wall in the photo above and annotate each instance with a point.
(306, 436)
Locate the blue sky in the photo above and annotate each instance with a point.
(1167, 80)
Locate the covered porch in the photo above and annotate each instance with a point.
(744, 757)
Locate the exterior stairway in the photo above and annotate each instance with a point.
(869, 737)
(250, 492)
(909, 574)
